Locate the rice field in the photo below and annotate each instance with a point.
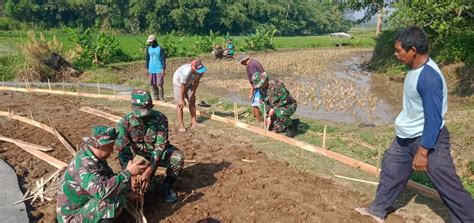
(310, 77)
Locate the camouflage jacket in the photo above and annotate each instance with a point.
(147, 138)
(276, 96)
(89, 178)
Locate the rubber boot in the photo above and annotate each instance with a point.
(169, 195)
(154, 88)
(293, 128)
(161, 93)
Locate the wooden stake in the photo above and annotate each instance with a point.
(324, 137)
(77, 87)
(63, 86)
(236, 116)
(49, 84)
(98, 87)
(31, 115)
(51, 123)
(265, 119)
(115, 93)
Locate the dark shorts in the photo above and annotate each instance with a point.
(156, 79)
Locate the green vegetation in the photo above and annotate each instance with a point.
(306, 17)
(449, 27)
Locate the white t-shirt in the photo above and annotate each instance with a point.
(183, 75)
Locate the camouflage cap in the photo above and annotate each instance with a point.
(258, 79)
(141, 102)
(102, 135)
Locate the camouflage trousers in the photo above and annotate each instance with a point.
(280, 124)
(281, 120)
(172, 159)
(95, 210)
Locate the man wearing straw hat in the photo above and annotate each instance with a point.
(90, 191)
(156, 67)
(252, 66)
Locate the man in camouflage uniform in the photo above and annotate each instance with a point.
(278, 104)
(144, 132)
(90, 191)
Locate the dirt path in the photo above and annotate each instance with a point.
(219, 187)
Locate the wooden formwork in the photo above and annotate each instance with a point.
(306, 146)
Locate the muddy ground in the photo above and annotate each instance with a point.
(219, 187)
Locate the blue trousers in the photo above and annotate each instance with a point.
(397, 168)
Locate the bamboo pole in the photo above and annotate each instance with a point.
(357, 180)
(45, 157)
(27, 144)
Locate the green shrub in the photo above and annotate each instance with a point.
(10, 65)
(262, 39)
(93, 50)
(173, 47)
(205, 44)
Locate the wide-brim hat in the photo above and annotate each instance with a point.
(151, 38)
(258, 79)
(242, 57)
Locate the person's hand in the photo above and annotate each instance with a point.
(271, 112)
(145, 178)
(420, 161)
(181, 103)
(146, 72)
(135, 168)
(251, 93)
(134, 184)
(164, 73)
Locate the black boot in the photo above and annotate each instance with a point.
(293, 128)
(161, 93)
(154, 88)
(169, 194)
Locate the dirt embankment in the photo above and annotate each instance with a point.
(220, 186)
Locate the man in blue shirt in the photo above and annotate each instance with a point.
(422, 139)
(156, 67)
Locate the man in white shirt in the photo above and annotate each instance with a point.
(185, 82)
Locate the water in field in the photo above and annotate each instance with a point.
(344, 92)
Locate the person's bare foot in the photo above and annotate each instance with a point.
(365, 212)
(196, 124)
(182, 129)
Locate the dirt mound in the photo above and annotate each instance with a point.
(221, 186)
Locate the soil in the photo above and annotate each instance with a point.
(219, 187)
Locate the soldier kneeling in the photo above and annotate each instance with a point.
(89, 190)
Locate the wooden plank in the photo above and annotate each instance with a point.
(45, 157)
(58, 135)
(27, 144)
(101, 114)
